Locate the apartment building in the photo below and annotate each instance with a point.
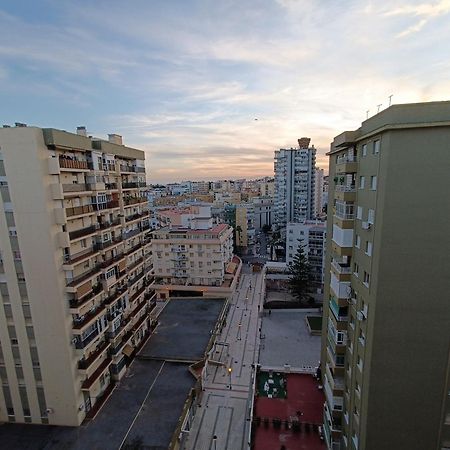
(311, 234)
(75, 281)
(385, 348)
(192, 257)
(262, 212)
(318, 192)
(294, 184)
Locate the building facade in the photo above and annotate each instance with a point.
(294, 184)
(385, 348)
(312, 236)
(192, 257)
(75, 267)
(262, 212)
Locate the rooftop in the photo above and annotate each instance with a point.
(287, 340)
(303, 403)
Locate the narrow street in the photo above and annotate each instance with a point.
(228, 390)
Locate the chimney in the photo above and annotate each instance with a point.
(115, 139)
(304, 142)
(81, 131)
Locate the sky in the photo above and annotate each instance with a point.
(185, 80)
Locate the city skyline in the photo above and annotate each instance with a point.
(210, 92)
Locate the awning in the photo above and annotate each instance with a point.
(128, 350)
(231, 267)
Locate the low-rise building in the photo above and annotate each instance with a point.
(192, 257)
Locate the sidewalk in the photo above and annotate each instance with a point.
(224, 410)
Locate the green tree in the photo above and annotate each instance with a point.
(299, 269)
(265, 228)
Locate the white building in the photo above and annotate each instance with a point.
(311, 234)
(294, 184)
(192, 257)
(318, 193)
(262, 212)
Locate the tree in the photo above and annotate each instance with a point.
(265, 228)
(299, 269)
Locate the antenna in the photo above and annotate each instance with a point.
(367, 113)
(390, 99)
(379, 106)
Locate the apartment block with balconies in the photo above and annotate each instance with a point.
(385, 355)
(76, 285)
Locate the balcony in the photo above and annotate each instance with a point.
(109, 262)
(79, 256)
(115, 296)
(137, 293)
(77, 303)
(135, 263)
(133, 249)
(132, 233)
(134, 200)
(133, 280)
(107, 205)
(341, 267)
(87, 384)
(134, 185)
(107, 244)
(84, 276)
(346, 164)
(75, 188)
(85, 320)
(81, 344)
(85, 363)
(66, 162)
(79, 210)
(339, 313)
(77, 234)
(136, 216)
(111, 186)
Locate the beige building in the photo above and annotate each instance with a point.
(74, 275)
(192, 257)
(385, 353)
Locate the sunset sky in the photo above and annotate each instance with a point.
(185, 80)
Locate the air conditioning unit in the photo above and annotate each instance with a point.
(360, 315)
(365, 225)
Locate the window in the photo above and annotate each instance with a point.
(359, 212)
(364, 149)
(376, 147)
(356, 269)
(362, 337)
(373, 183)
(371, 216)
(362, 182)
(366, 278)
(368, 248)
(359, 362)
(110, 273)
(358, 241)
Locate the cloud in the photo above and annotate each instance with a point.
(427, 11)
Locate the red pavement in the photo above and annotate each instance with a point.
(302, 396)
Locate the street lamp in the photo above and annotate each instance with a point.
(215, 442)
(229, 373)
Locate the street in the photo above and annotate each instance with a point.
(228, 389)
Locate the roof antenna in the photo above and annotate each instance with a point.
(367, 113)
(379, 106)
(390, 99)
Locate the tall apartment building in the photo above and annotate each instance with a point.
(294, 184)
(192, 257)
(318, 192)
(312, 236)
(74, 274)
(263, 212)
(385, 350)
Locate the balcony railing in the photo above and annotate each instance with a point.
(109, 262)
(113, 297)
(84, 363)
(83, 232)
(110, 186)
(78, 210)
(132, 233)
(84, 276)
(75, 187)
(341, 267)
(136, 216)
(106, 244)
(344, 159)
(80, 344)
(67, 163)
(106, 205)
(135, 279)
(133, 185)
(134, 200)
(84, 320)
(79, 256)
(345, 188)
(104, 225)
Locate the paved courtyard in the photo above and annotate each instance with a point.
(286, 340)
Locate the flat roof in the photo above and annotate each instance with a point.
(152, 419)
(287, 339)
(184, 329)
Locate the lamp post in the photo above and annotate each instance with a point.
(229, 373)
(215, 442)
